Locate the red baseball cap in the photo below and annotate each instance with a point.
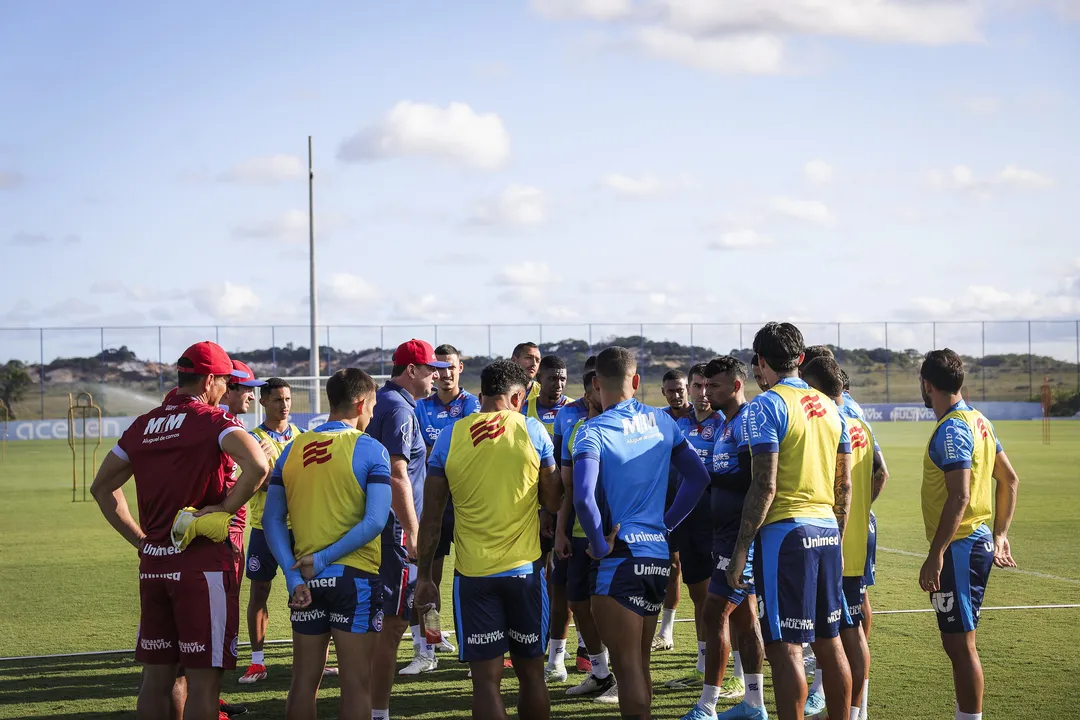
(417, 352)
(209, 358)
(249, 375)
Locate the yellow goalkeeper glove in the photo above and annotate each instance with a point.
(186, 527)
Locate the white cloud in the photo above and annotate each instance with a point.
(10, 180)
(808, 211)
(290, 226)
(980, 104)
(517, 205)
(755, 54)
(818, 171)
(930, 22)
(640, 186)
(1013, 176)
(585, 9)
(1056, 299)
(349, 289)
(456, 134)
(526, 274)
(227, 301)
(739, 240)
(963, 178)
(267, 170)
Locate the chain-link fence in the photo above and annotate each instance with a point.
(129, 369)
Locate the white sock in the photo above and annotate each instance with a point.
(700, 656)
(416, 634)
(557, 652)
(257, 657)
(600, 665)
(580, 642)
(380, 715)
(426, 649)
(667, 623)
(755, 689)
(816, 686)
(968, 716)
(865, 695)
(853, 713)
(738, 665)
(709, 695)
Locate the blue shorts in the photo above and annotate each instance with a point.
(798, 573)
(342, 598)
(963, 581)
(723, 548)
(397, 574)
(637, 583)
(502, 613)
(870, 572)
(854, 591)
(573, 572)
(261, 564)
(693, 539)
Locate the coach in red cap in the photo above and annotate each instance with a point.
(394, 424)
(179, 454)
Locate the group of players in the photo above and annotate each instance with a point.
(590, 508)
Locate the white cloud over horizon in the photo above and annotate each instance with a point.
(266, 170)
(516, 206)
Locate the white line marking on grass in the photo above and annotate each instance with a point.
(1021, 571)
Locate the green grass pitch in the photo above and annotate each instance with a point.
(70, 585)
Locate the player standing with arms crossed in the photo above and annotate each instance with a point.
(189, 600)
(962, 458)
(334, 482)
(795, 515)
(621, 460)
(497, 464)
(394, 425)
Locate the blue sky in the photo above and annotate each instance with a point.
(606, 161)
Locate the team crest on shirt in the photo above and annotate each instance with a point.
(707, 432)
(455, 411)
(406, 430)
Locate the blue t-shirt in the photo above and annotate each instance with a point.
(394, 424)
(953, 445)
(633, 444)
(564, 427)
(730, 467)
(770, 424)
(702, 437)
(849, 402)
(537, 433)
(433, 416)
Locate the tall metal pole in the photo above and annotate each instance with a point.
(315, 389)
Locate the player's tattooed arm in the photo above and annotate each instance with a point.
(842, 491)
(436, 494)
(881, 475)
(758, 499)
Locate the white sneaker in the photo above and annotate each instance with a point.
(661, 642)
(554, 673)
(444, 647)
(592, 686)
(610, 696)
(420, 664)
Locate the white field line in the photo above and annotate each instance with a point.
(450, 632)
(1021, 571)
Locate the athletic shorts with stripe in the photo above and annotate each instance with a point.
(693, 538)
(798, 568)
(261, 565)
(397, 574)
(725, 536)
(870, 571)
(964, 574)
(637, 583)
(573, 572)
(342, 598)
(189, 618)
(502, 613)
(854, 591)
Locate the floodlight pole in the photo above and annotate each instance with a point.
(315, 390)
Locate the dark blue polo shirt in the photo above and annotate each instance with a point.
(394, 424)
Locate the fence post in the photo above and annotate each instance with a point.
(741, 346)
(838, 337)
(934, 325)
(591, 349)
(982, 362)
(540, 333)
(641, 336)
(1078, 356)
(692, 358)
(217, 335)
(1031, 385)
(382, 353)
(886, 362)
(273, 347)
(435, 328)
(41, 367)
(102, 366)
(329, 354)
(160, 367)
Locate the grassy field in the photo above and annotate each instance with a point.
(70, 585)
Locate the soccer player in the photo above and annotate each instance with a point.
(180, 453)
(758, 378)
(497, 464)
(673, 386)
(571, 414)
(275, 433)
(334, 483)
(795, 515)
(622, 456)
(551, 377)
(824, 375)
(693, 537)
(436, 412)
(962, 458)
(394, 424)
(730, 612)
(527, 355)
(237, 401)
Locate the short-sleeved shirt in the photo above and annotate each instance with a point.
(807, 431)
(565, 421)
(849, 402)
(730, 472)
(175, 454)
(394, 424)
(434, 416)
(544, 414)
(633, 444)
(491, 463)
